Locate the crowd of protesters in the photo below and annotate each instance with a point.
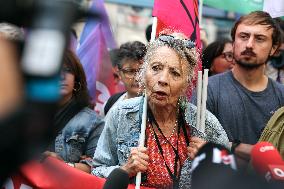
(245, 89)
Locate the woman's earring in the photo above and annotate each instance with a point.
(182, 101)
(77, 87)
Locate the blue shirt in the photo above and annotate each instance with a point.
(242, 113)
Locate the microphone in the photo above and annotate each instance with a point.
(213, 167)
(267, 162)
(29, 130)
(118, 179)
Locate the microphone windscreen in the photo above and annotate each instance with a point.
(263, 156)
(118, 179)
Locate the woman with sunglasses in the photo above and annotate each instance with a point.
(218, 57)
(79, 126)
(129, 60)
(171, 133)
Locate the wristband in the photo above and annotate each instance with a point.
(235, 143)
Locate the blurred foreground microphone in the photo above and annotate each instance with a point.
(117, 179)
(45, 45)
(28, 131)
(213, 167)
(267, 162)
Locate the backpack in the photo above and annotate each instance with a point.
(111, 101)
(274, 131)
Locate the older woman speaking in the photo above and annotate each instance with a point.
(171, 133)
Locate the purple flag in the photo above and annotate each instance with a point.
(98, 5)
(95, 40)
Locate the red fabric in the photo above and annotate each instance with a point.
(54, 174)
(157, 174)
(180, 16)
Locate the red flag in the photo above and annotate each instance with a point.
(178, 16)
(54, 174)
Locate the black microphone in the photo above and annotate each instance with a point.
(23, 13)
(213, 167)
(29, 130)
(117, 179)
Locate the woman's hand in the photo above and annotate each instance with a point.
(52, 154)
(137, 161)
(195, 144)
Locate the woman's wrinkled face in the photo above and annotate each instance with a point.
(166, 77)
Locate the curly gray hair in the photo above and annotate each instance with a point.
(184, 48)
(11, 32)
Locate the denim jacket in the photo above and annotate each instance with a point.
(122, 130)
(79, 136)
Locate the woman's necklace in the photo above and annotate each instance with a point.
(174, 130)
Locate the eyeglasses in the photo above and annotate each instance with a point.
(228, 56)
(129, 73)
(171, 40)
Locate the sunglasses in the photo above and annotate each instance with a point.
(171, 40)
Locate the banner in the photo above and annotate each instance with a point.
(54, 174)
(274, 7)
(93, 53)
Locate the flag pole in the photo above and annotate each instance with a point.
(144, 115)
(200, 12)
(142, 137)
(154, 29)
(203, 100)
(198, 104)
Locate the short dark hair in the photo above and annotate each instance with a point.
(15, 35)
(260, 18)
(281, 24)
(11, 32)
(131, 51)
(212, 51)
(72, 61)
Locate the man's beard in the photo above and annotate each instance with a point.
(248, 66)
